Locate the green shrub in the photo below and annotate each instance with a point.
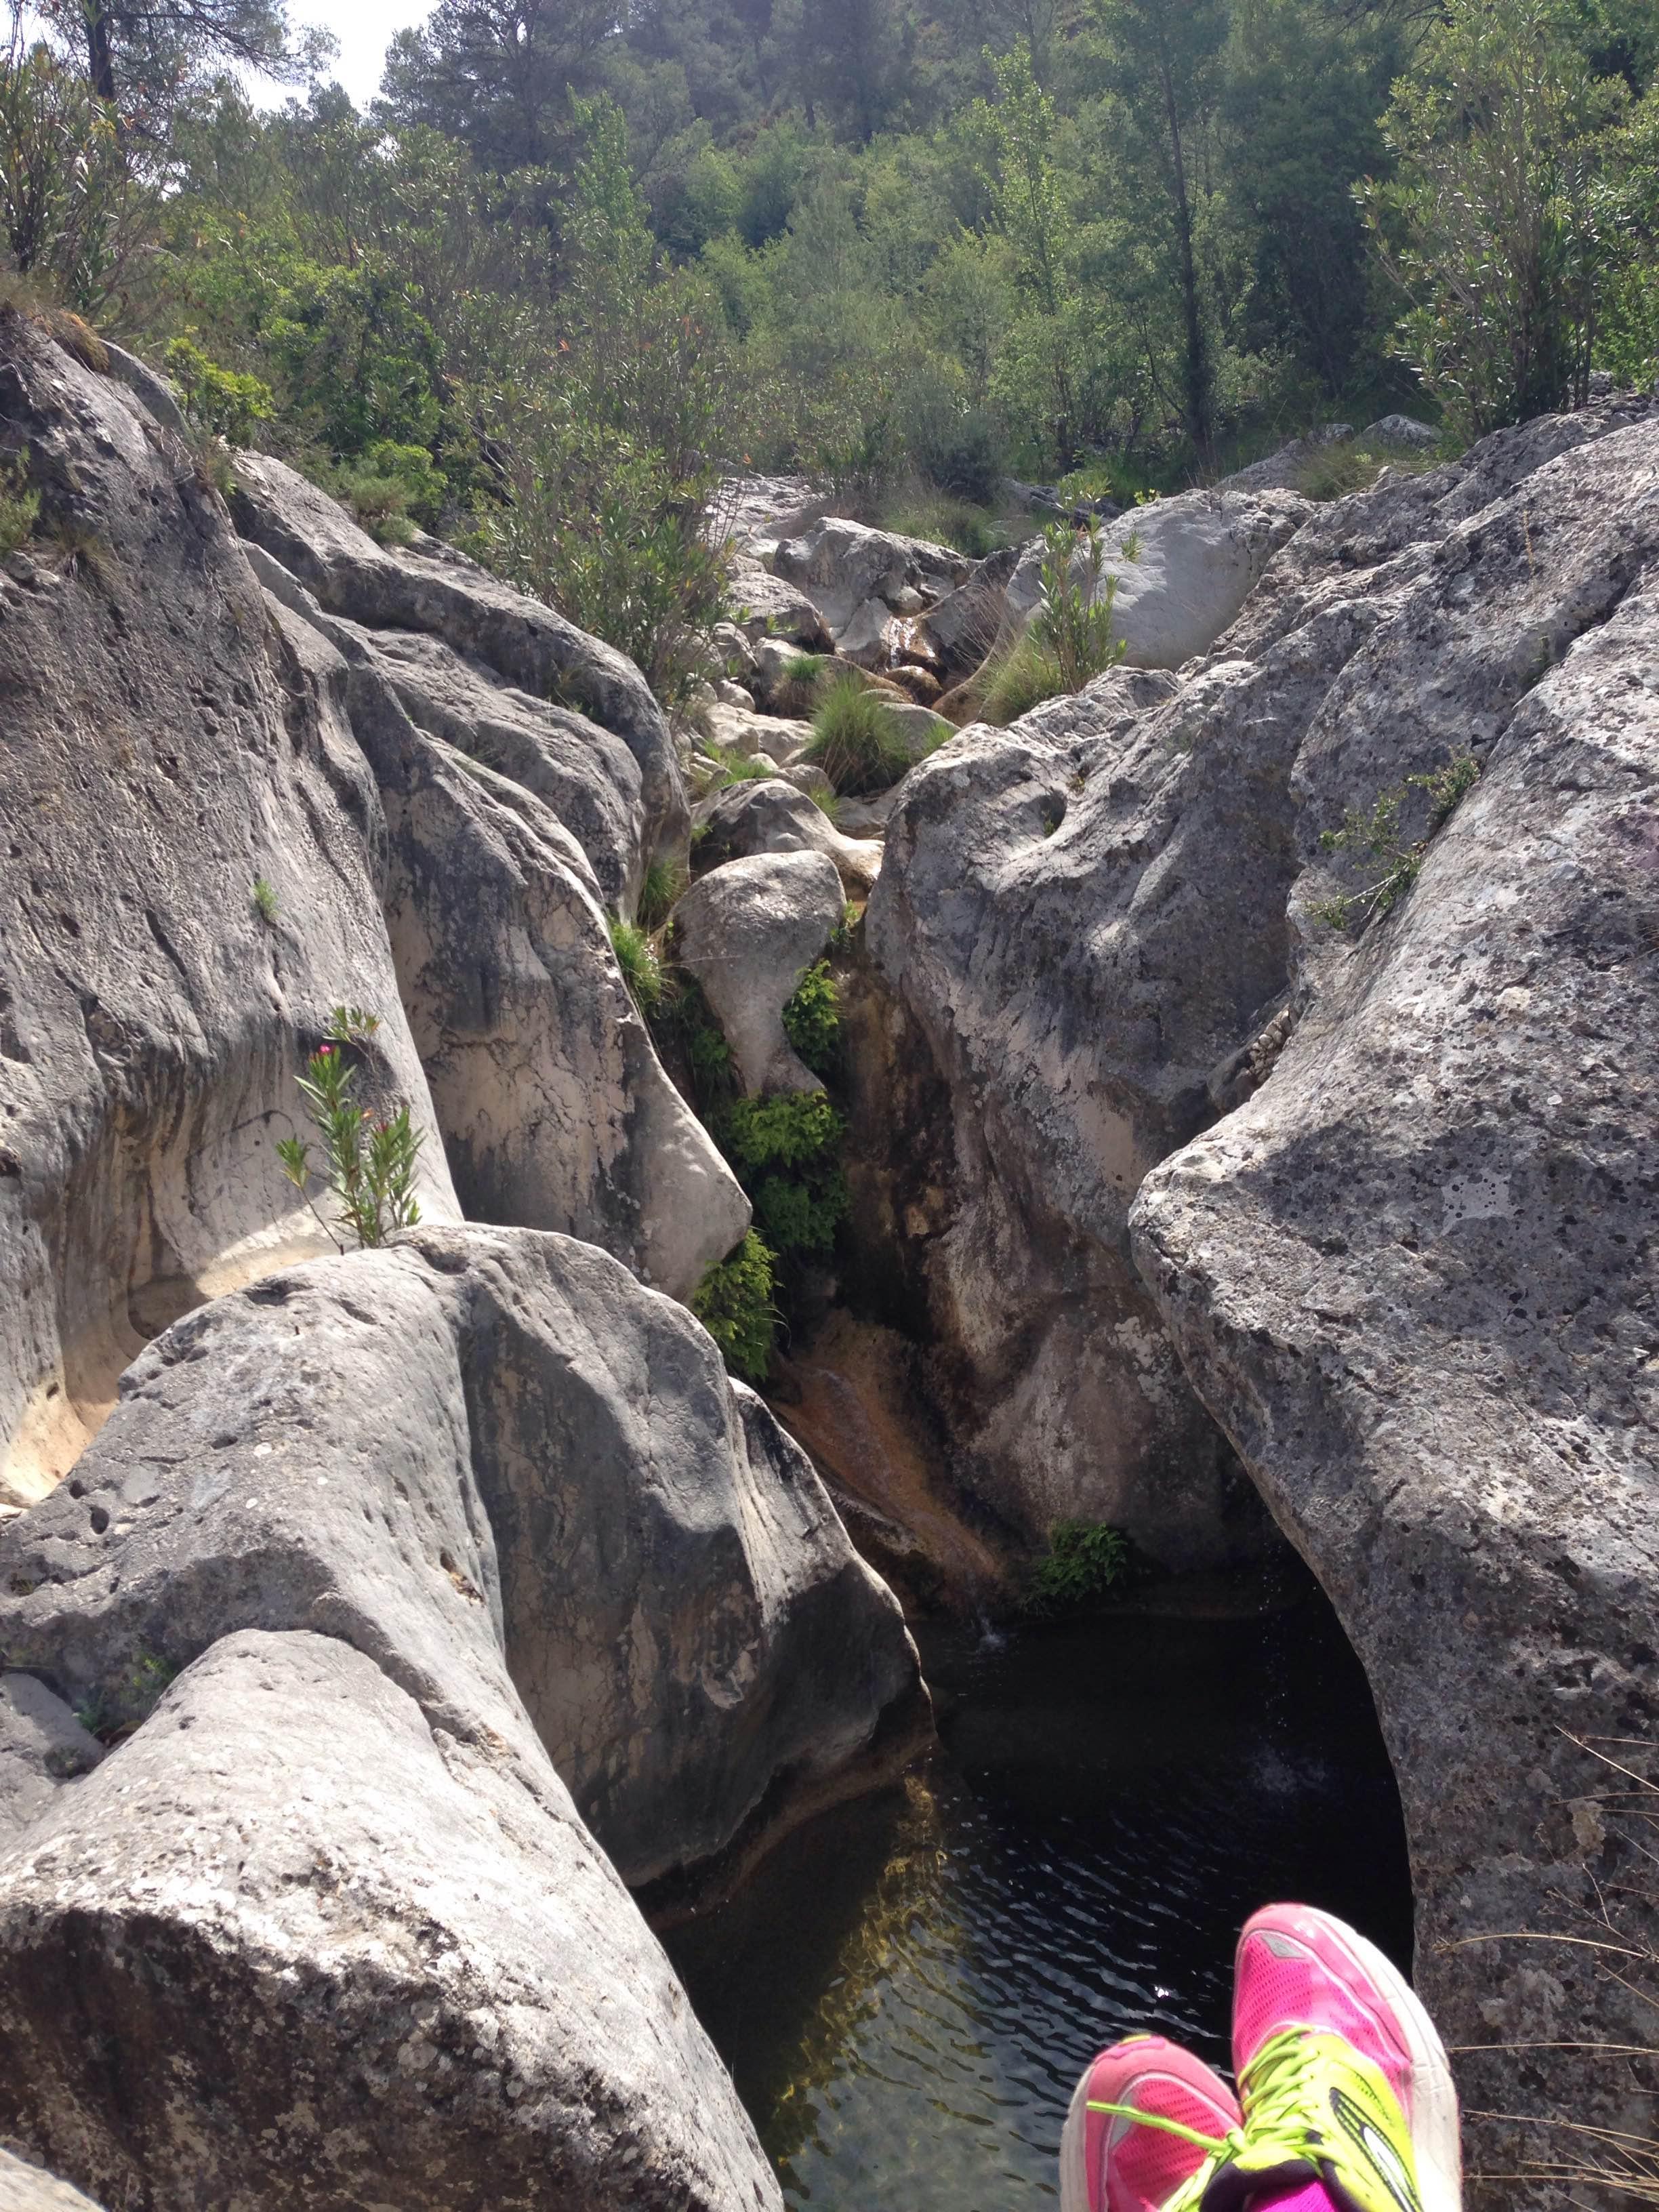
(1077, 624)
(811, 1020)
(857, 739)
(791, 1129)
(785, 1150)
(370, 1164)
(1084, 1560)
(392, 491)
(1335, 469)
(733, 1301)
(641, 969)
(221, 402)
(661, 890)
(264, 900)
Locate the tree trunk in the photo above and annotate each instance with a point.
(1197, 375)
(100, 58)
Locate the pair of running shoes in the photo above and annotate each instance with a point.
(1343, 2088)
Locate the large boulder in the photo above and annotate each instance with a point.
(42, 1746)
(960, 631)
(429, 588)
(749, 933)
(1405, 1276)
(479, 1455)
(1398, 1268)
(843, 566)
(765, 605)
(771, 816)
(294, 1946)
(741, 730)
(555, 1109)
(198, 861)
(1183, 567)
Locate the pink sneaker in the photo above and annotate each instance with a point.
(1301, 1969)
(1110, 2160)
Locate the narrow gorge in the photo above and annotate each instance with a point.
(1243, 1098)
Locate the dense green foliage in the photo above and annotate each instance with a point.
(733, 1301)
(786, 1152)
(811, 1021)
(578, 260)
(1084, 1560)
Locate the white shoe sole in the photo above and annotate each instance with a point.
(1436, 2133)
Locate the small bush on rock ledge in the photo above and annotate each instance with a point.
(733, 1301)
(370, 1164)
(1084, 1560)
(811, 1020)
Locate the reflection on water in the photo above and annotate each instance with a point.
(907, 1990)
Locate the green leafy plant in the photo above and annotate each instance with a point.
(662, 887)
(19, 507)
(391, 490)
(223, 403)
(811, 1020)
(641, 968)
(1378, 836)
(370, 1164)
(1084, 1561)
(264, 900)
(733, 1301)
(857, 739)
(786, 1151)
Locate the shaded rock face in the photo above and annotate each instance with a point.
(431, 589)
(483, 1454)
(42, 1746)
(749, 933)
(160, 756)
(555, 1110)
(1010, 870)
(1403, 1272)
(294, 1946)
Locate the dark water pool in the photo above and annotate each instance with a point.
(907, 1991)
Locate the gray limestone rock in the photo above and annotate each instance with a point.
(843, 565)
(199, 859)
(495, 1464)
(765, 605)
(1405, 1270)
(749, 933)
(774, 817)
(42, 1746)
(555, 1109)
(345, 1958)
(25, 2188)
(429, 587)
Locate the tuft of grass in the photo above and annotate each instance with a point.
(1084, 1561)
(1026, 674)
(19, 507)
(857, 739)
(827, 802)
(79, 548)
(641, 969)
(264, 900)
(803, 672)
(733, 1301)
(745, 768)
(664, 886)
